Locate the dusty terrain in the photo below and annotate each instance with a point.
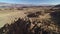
(31, 18)
(8, 16)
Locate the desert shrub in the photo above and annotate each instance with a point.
(38, 12)
(32, 15)
(19, 8)
(0, 9)
(10, 8)
(6, 9)
(22, 26)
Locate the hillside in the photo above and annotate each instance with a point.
(29, 20)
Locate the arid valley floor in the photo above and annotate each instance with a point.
(30, 20)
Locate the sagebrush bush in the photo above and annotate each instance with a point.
(22, 26)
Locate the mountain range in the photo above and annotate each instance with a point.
(7, 5)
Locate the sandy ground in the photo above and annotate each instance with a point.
(10, 16)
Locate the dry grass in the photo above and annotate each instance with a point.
(44, 20)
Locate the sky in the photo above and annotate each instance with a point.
(36, 2)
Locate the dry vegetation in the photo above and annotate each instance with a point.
(34, 20)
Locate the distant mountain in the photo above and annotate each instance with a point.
(8, 5)
(57, 5)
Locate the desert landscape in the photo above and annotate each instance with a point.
(28, 19)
